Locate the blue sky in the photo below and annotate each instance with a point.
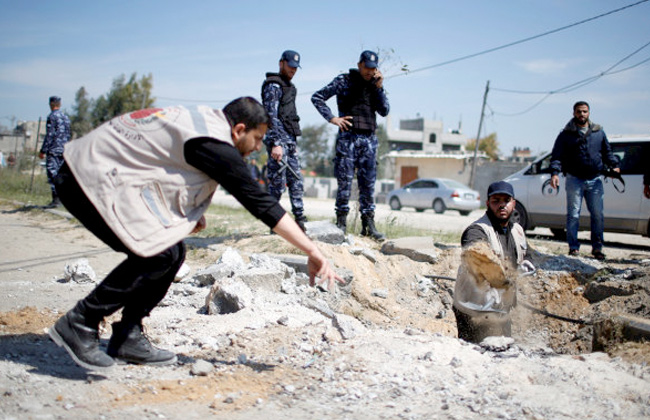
(213, 51)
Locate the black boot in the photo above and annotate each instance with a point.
(54, 203)
(301, 220)
(368, 227)
(129, 343)
(342, 220)
(80, 341)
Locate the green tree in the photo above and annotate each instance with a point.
(315, 149)
(123, 97)
(489, 145)
(81, 120)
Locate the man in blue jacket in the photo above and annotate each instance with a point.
(583, 153)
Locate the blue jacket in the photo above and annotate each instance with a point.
(57, 133)
(584, 156)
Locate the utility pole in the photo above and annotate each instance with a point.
(38, 131)
(478, 136)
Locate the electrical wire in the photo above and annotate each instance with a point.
(571, 87)
(510, 44)
(583, 82)
(406, 72)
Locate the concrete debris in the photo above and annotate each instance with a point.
(262, 278)
(228, 264)
(79, 271)
(445, 247)
(586, 266)
(201, 368)
(325, 231)
(417, 248)
(424, 285)
(380, 293)
(369, 254)
(319, 306)
(497, 343)
(355, 250)
(295, 284)
(346, 275)
(228, 296)
(297, 262)
(348, 326)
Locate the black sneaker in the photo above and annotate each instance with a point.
(130, 344)
(53, 204)
(574, 252)
(598, 255)
(80, 341)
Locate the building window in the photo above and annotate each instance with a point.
(432, 138)
(450, 147)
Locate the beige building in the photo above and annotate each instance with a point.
(22, 138)
(420, 148)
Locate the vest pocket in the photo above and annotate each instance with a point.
(143, 211)
(194, 200)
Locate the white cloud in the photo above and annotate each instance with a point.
(544, 66)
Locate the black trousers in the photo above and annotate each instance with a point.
(138, 284)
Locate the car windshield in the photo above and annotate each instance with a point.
(454, 184)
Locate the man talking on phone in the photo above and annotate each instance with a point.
(360, 96)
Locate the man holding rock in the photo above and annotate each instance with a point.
(494, 248)
(141, 183)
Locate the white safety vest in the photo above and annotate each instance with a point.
(132, 168)
(470, 294)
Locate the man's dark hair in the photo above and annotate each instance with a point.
(580, 103)
(246, 110)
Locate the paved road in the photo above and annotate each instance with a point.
(450, 221)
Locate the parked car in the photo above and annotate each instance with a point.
(440, 194)
(538, 205)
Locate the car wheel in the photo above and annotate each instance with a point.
(464, 212)
(395, 204)
(559, 234)
(439, 206)
(520, 216)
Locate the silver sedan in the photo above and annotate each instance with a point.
(438, 193)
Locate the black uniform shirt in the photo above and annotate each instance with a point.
(223, 163)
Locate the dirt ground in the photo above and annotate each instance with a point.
(405, 360)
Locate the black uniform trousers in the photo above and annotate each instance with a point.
(138, 284)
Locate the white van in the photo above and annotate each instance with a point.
(627, 212)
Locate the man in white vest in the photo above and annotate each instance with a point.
(494, 250)
(141, 183)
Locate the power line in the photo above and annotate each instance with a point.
(521, 41)
(455, 60)
(573, 86)
(583, 81)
